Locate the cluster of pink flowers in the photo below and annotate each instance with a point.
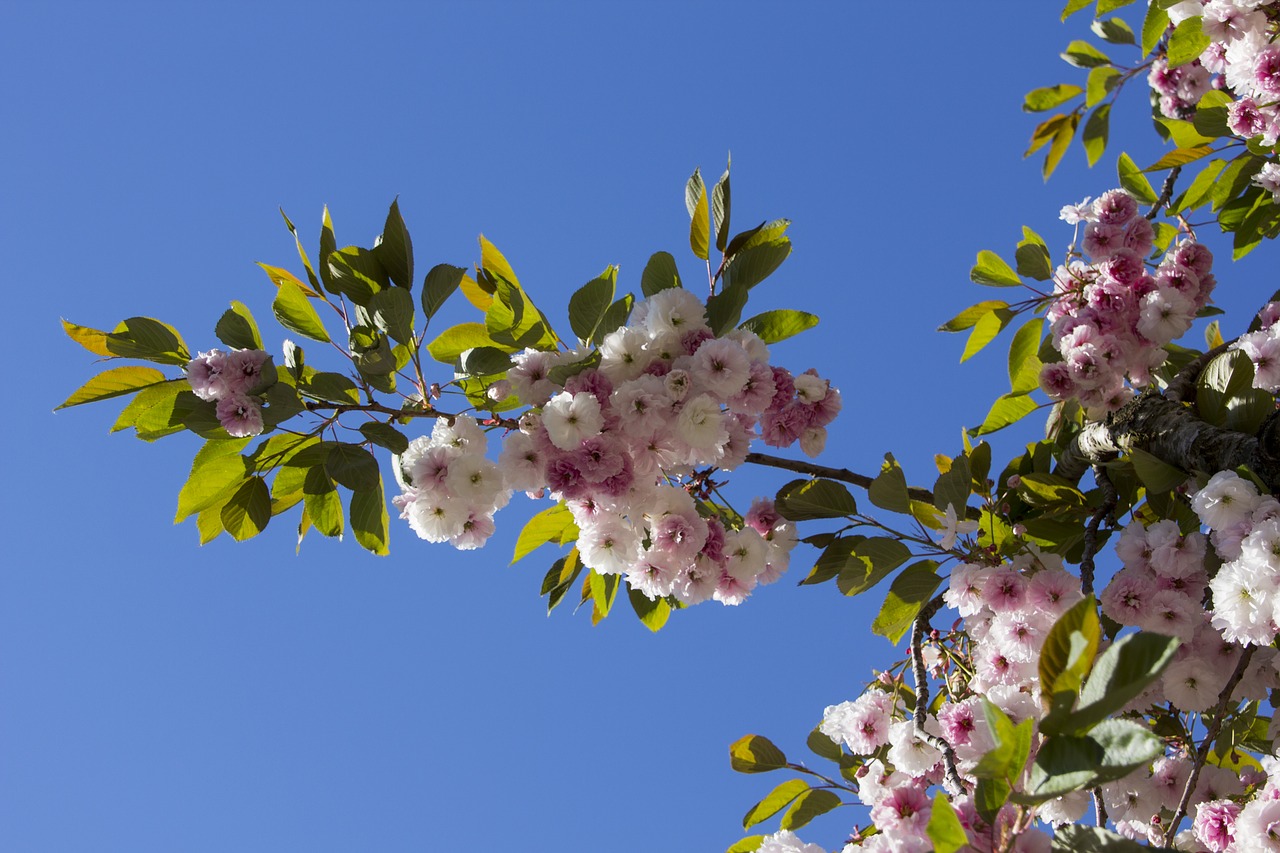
(232, 380)
(451, 490)
(1241, 57)
(627, 444)
(1111, 315)
(1263, 349)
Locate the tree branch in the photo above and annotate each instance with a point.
(844, 475)
(1166, 192)
(953, 783)
(1172, 433)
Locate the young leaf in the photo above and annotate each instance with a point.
(1048, 97)
(909, 592)
(587, 306)
(1094, 137)
(780, 324)
(1187, 41)
(553, 524)
(695, 198)
(992, 270)
(720, 210)
(369, 518)
(114, 383)
(441, 281)
(889, 489)
(777, 800)
(395, 252)
(1154, 25)
(296, 313)
(755, 754)
(810, 804)
(652, 612)
(1084, 55)
(1132, 179)
(944, 829)
(237, 328)
(804, 500)
(248, 511)
(659, 274)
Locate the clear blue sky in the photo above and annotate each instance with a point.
(159, 696)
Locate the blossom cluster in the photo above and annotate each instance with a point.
(1111, 315)
(1241, 57)
(1263, 349)
(450, 488)
(233, 380)
(628, 441)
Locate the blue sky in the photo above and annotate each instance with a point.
(155, 695)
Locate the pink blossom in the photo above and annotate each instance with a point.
(1215, 822)
(240, 416)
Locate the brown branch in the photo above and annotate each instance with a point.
(954, 784)
(1215, 725)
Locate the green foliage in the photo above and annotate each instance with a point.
(805, 500)
(755, 754)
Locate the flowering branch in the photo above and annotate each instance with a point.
(954, 784)
(1166, 192)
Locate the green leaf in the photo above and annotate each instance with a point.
(889, 489)
(1180, 157)
(114, 383)
(147, 339)
(248, 511)
(1024, 364)
(952, 487)
(1032, 256)
(353, 466)
(810, 804)
(1225, 395)
(369, 518)
(804, 500)
(909, 592)
(1154, 473)
(1201, 189)
(992, 270)
(985, 331)
(1120, 673)
(150, 412)
(553, 524)
(1046, 131)
(778, 325)
(1006, 410)
(759, 257)
(295, 312)
(1111, 750)
(823, 746)
(652, 612)
(755, 754)
(218, 470)
(495, 262)
(1006, 760)
(659, 274)
(333, 387)
(1094, 137)
(695, 198)
(967, 318)
(395, 252)
(989, 797)
(870, 562)
(1101, 81)
(944, 829)
(1114, 30)
(589, 303)
(1066, 657)
(1132, 179)
(1187, 41)
(1048, 97)
(1211, 122)
(1105, 6)
(724, 309)
(604, 589)
(1154, 24)
(385, 435)
(614, 318)
(328, 244)
(1072, 7)
(777, 800)
(455, 340)
(323, 506)
(513, 320)
(559, 578)
(237, 328)
(485, 361)
(720, 210)
(750, 844)
(393, 313)
(1081, 54)
(441, 281)
(356, 273)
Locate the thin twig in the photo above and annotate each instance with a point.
(953, 783)
(1211, 734)
(844, 475)
(1103, 512)
(1166, 192)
